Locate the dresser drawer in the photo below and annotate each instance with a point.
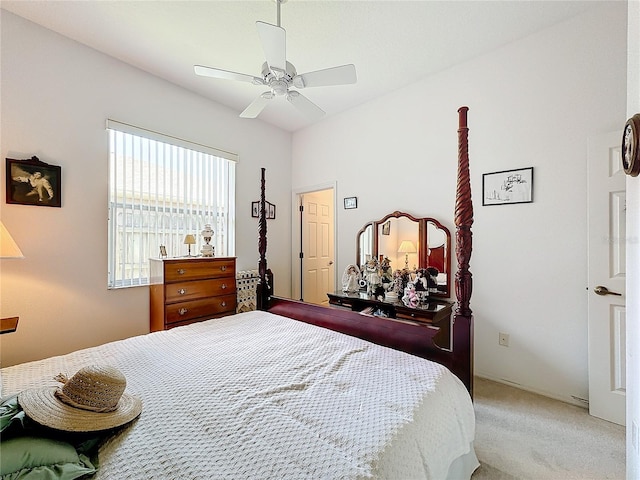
(208, 307)
(196, 270)
(412, 316)
(184, 291)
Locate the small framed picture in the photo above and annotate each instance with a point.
(386, 227)
(163, 251)
(350, 202)
(271, 211)
(508, 186)
(32, 182)
(255, 209)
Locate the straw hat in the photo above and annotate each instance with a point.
(93, 399)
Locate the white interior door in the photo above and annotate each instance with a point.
(607, 256)
(317, 246)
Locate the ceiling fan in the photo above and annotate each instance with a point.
(280, 76)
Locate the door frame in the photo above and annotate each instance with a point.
(296, 288)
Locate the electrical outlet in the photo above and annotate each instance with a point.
(503, 339)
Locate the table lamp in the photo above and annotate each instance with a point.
(8, 249)
(407, 247)
(189, 240)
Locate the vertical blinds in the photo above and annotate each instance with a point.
(162, 188)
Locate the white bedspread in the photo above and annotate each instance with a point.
(259, 396)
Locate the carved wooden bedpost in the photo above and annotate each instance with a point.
(463, 317)
(263, 291)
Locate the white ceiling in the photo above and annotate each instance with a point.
(392, 43)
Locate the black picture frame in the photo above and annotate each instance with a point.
(507, 187)
(350, 202)
(32, 182)
(270, 209)
(386, 227)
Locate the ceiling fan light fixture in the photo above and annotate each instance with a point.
(279, 75)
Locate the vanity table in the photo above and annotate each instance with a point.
(435, 313)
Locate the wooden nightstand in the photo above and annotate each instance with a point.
(188, 290)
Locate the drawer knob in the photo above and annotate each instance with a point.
(223, 268)
(181, 271)
(224, 285)
(182, 291)
(224, 304)
(182, 311)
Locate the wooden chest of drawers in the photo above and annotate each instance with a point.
(188, 290)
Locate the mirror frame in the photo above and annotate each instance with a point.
(422, 240)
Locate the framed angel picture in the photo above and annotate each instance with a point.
(32, 182)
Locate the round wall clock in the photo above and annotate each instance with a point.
(631, 146)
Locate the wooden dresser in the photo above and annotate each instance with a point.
(188, 290)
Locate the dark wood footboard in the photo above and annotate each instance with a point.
(413, 338)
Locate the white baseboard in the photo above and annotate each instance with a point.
(571, 400)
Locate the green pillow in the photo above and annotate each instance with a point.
(38, 458)
(10, 412)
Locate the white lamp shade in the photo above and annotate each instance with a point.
(407, 246)
(8, 246)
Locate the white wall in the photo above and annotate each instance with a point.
(56, 96)
(532, 103)
(633, 255)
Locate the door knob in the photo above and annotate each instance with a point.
(600, 290)
(330, 262)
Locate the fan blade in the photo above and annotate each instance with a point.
(255, 107)
(342, 75)
(218, 73)
(306, 106)
(273, 39)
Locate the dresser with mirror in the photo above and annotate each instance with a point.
(410, 244)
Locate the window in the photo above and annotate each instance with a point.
(160, 189)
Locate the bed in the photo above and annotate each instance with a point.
(268, 394)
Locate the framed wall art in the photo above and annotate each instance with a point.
(386, 227)
(350, 202)
(32, 182)
(269, 207)
(508, 186)
(271, 211)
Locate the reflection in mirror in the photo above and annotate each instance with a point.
(408, 242)
(437, 251)
(401, 232)
(365, 244)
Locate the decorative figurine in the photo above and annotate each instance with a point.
(386, 274)
(432, 279)
(398, 283)
(351, 279)
(410, 298)
(207, 233)
(372, 276)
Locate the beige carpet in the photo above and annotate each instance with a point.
(521, 435)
